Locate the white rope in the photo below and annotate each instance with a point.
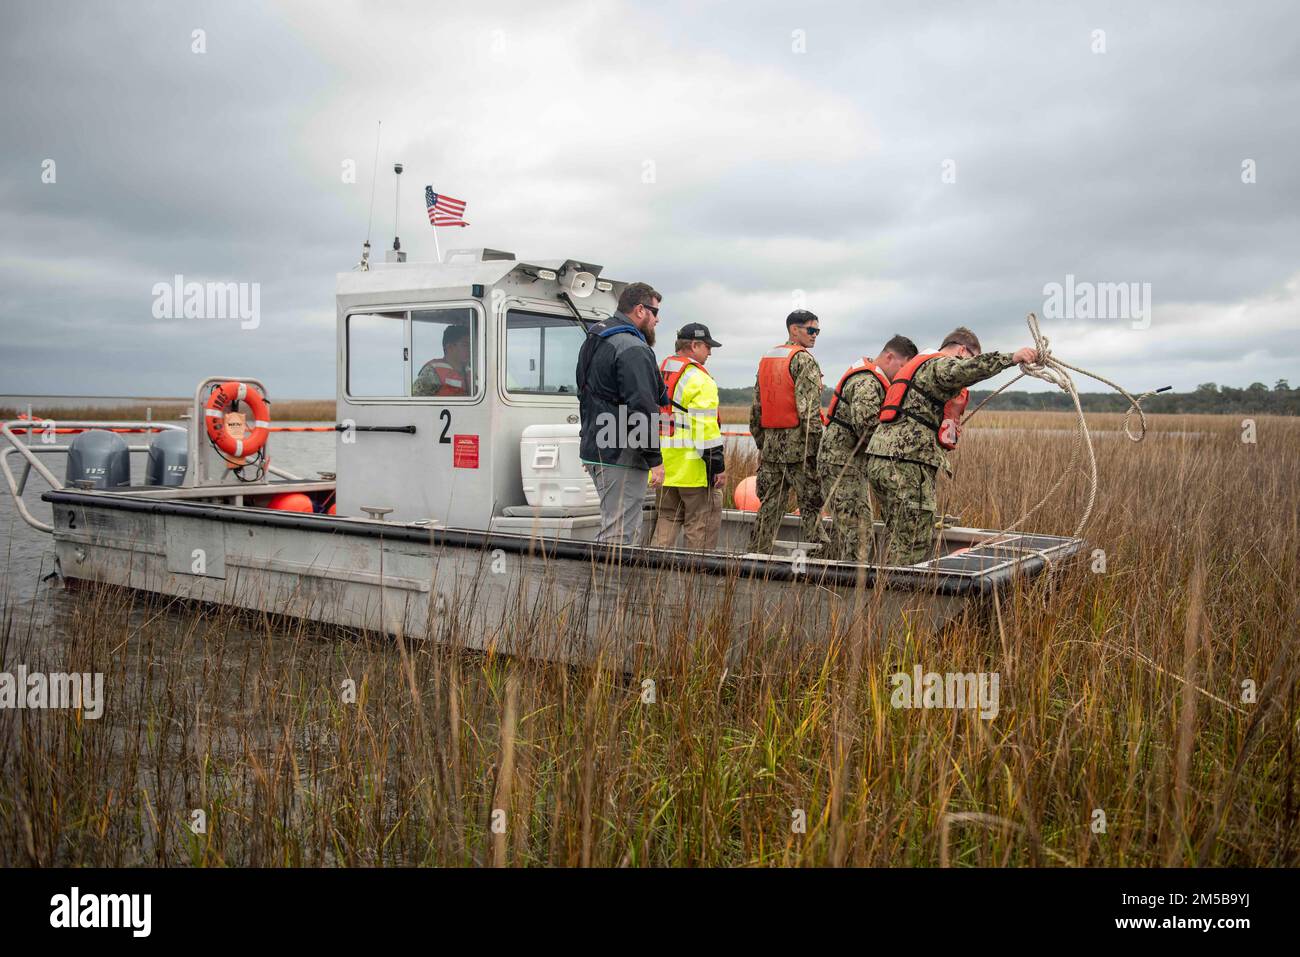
(1057, 372)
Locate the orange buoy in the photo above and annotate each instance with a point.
(746, 496)
(333, 510)
(291, 502)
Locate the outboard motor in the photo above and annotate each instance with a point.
(99, 457)
(168, 458)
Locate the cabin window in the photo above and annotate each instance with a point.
(444, 352)
(376, 355)
(426, 353)
(542, 353)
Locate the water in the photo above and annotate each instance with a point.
(27, 554)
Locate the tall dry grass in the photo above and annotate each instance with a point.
(1121, 696)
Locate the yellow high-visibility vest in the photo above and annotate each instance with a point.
(686, 434)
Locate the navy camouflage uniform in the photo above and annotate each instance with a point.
(845, 470)
(788, 460)
(904, 456)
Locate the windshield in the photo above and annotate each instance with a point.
(542, 353)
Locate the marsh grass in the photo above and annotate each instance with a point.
(1121, 692)
(734, 415)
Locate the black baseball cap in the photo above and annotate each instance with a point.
(699, 332)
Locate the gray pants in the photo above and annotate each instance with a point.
(622, 496)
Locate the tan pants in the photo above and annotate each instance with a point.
(697, 509)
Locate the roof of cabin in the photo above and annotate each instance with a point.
(398, 277)
(460, 269)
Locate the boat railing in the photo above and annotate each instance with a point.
(48, 428)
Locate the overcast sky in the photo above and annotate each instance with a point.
(907, 166)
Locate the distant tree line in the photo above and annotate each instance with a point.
(1255, 399)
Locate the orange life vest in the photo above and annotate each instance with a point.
(950, 428)
(776, 388)
(863, 365)
(672, 369)
(901, 386)
(451, 381)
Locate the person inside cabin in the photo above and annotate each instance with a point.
(449, 374)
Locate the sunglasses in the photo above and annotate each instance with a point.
(654, 310)
(812, 330)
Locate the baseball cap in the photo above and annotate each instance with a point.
(698, 331)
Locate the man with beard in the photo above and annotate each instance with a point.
(620, 392)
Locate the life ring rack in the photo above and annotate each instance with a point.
(224, 398)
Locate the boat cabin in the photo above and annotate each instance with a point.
(441, 369)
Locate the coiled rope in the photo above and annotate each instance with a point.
(1057, 372)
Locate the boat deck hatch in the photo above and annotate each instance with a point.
(1002, 551)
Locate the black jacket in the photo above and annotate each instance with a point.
(620, 392)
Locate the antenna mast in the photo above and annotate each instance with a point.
(364, 265)
(396, 255)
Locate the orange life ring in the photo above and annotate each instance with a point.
(222, 400)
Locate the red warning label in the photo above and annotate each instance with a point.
(464, 451)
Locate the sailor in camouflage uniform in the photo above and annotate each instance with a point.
(786, 423)
(904, 455)
(842, 458)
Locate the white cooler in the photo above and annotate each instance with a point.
(552, 470)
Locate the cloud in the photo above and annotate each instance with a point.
(689, 145)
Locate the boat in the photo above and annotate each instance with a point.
(467, 506)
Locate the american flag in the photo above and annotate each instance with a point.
(443, 210)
